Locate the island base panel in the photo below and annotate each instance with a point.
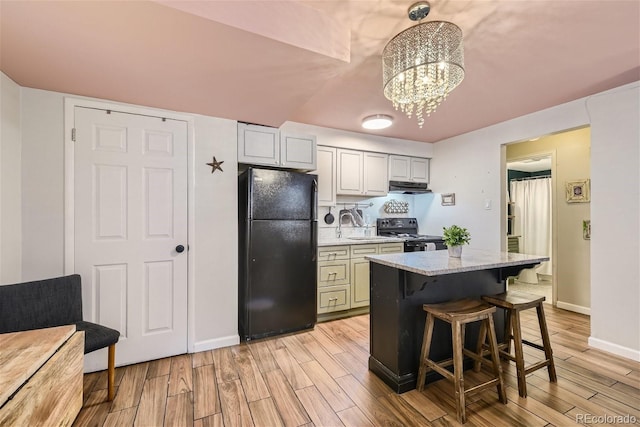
(397, 318)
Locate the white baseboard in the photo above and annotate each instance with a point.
(215, 343)
(572, 307)
(97, 360)
(626, 352)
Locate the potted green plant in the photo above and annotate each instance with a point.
(454, 237)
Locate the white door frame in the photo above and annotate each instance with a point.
(69, 155)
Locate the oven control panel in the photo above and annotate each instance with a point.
(397, 223)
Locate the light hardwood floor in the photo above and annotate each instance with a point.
(320, 378)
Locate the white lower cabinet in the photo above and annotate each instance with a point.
(360, 283)
(360, 274)
(334, 290)
(343, 275)
(334, 298)
(391, 248)
(333, 253)
(333, 272)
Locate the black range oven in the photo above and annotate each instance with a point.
(407, 229)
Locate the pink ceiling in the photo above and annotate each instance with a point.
(317, 62)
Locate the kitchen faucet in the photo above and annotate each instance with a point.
(339, 229)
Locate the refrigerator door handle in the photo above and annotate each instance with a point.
(314, 240)
(314, 201)
(314, 221)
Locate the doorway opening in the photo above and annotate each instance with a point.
(569, 152)
(529, 220)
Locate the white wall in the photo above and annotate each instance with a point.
(42, 184)
(615, 218)
(471, 166)
(10, 182)
(216, 234)
(214, 239)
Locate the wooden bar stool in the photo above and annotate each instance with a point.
(514, 302)
(458, 314)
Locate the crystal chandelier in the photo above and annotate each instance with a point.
(422, 64)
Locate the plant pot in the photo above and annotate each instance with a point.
(455, 251)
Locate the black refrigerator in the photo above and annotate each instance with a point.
(278, 232)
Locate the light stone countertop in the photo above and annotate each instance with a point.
(437, 263)
(358, 241)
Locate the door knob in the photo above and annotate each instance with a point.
(179, 249)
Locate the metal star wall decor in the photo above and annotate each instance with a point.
(215, 165)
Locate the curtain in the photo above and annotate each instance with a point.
(532, 198)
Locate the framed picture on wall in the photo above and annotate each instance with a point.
(448, 199)
(578, 191)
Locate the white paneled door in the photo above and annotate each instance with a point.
(130, 229)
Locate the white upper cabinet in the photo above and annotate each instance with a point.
(263, 145)
(419, 169)
(362, 173)
(399, 168)
(326, 172)
(259, 145)
(297, 152)
(350, 171)
(404, 168)
(376, 181)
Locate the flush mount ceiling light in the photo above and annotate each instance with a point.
(422, 64)
(378, 121)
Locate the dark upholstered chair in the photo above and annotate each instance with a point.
(55, 302)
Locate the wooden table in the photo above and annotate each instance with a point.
(401, 283)
(41, 376)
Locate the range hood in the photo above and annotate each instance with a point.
(408, 187)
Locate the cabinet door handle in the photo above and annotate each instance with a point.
(333, 273)
(333, 299)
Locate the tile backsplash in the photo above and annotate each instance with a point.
(369, 213)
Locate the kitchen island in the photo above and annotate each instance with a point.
(400, 283)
